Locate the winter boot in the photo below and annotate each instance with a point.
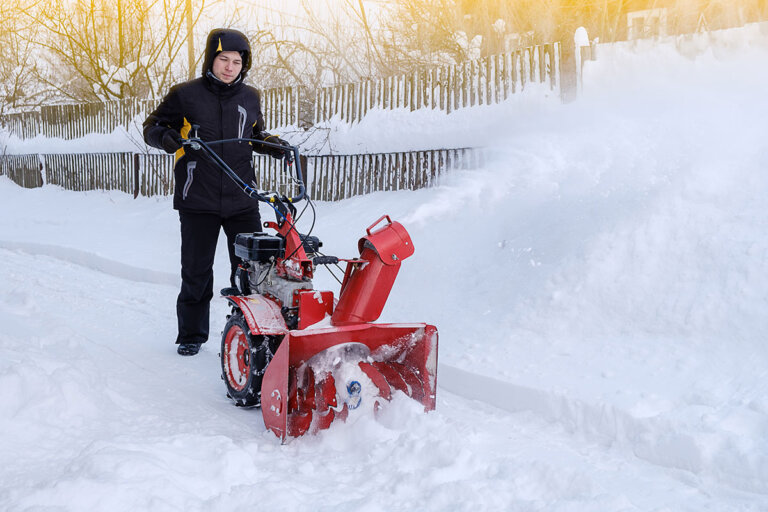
(188, 349)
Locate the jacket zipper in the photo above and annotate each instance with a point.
(221, 136)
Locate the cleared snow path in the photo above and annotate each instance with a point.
(105, 416)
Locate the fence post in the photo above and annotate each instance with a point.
(568, 71)
(304, 171)
(135, 175)
(568, 77)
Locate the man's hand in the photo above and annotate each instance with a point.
(288, 153)
(171, 141)
(275, 152)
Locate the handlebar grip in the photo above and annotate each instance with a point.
(325, 260)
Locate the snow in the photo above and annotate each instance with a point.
(120, 140)
(581, 37)
(599, 287)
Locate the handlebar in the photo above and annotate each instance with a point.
(197, 144)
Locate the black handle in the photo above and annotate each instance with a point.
(325, 260)
(197, 144)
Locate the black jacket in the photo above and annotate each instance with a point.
(222, 111)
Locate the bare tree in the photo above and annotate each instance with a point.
(335, 43)
(162, 62)
(87, 42)
(18, 60)
(455, 30)
(109, 49)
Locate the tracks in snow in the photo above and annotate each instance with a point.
(656, 440)
(93, 262)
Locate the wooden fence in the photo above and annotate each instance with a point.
(24, 170)
(337, 177)
(478, 82)
(91, 171)
(327, 178)
(72, 121)
(155, 174)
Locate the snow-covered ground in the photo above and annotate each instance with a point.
(600, 288)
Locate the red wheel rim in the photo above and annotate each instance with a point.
(237, 364)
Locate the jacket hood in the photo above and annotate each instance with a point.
(227, 40)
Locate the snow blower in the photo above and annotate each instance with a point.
(304, 356)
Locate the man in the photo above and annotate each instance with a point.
(221, 106)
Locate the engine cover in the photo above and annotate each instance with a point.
(259, 247)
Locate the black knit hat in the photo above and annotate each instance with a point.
(227, 40)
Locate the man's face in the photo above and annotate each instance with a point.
(227, 66)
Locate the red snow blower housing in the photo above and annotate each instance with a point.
(304, 356)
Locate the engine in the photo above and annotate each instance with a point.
(259, 252)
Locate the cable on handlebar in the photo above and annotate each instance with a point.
(197, 143)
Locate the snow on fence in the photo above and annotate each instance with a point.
(477, 82)
(72, 121)
(327, 178)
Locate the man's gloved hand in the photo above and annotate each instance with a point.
(274, 152)
(171, 141)
(288, 155)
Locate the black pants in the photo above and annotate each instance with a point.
(199, 236)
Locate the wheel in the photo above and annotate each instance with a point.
(244, 359)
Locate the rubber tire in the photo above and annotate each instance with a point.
(259, 352)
